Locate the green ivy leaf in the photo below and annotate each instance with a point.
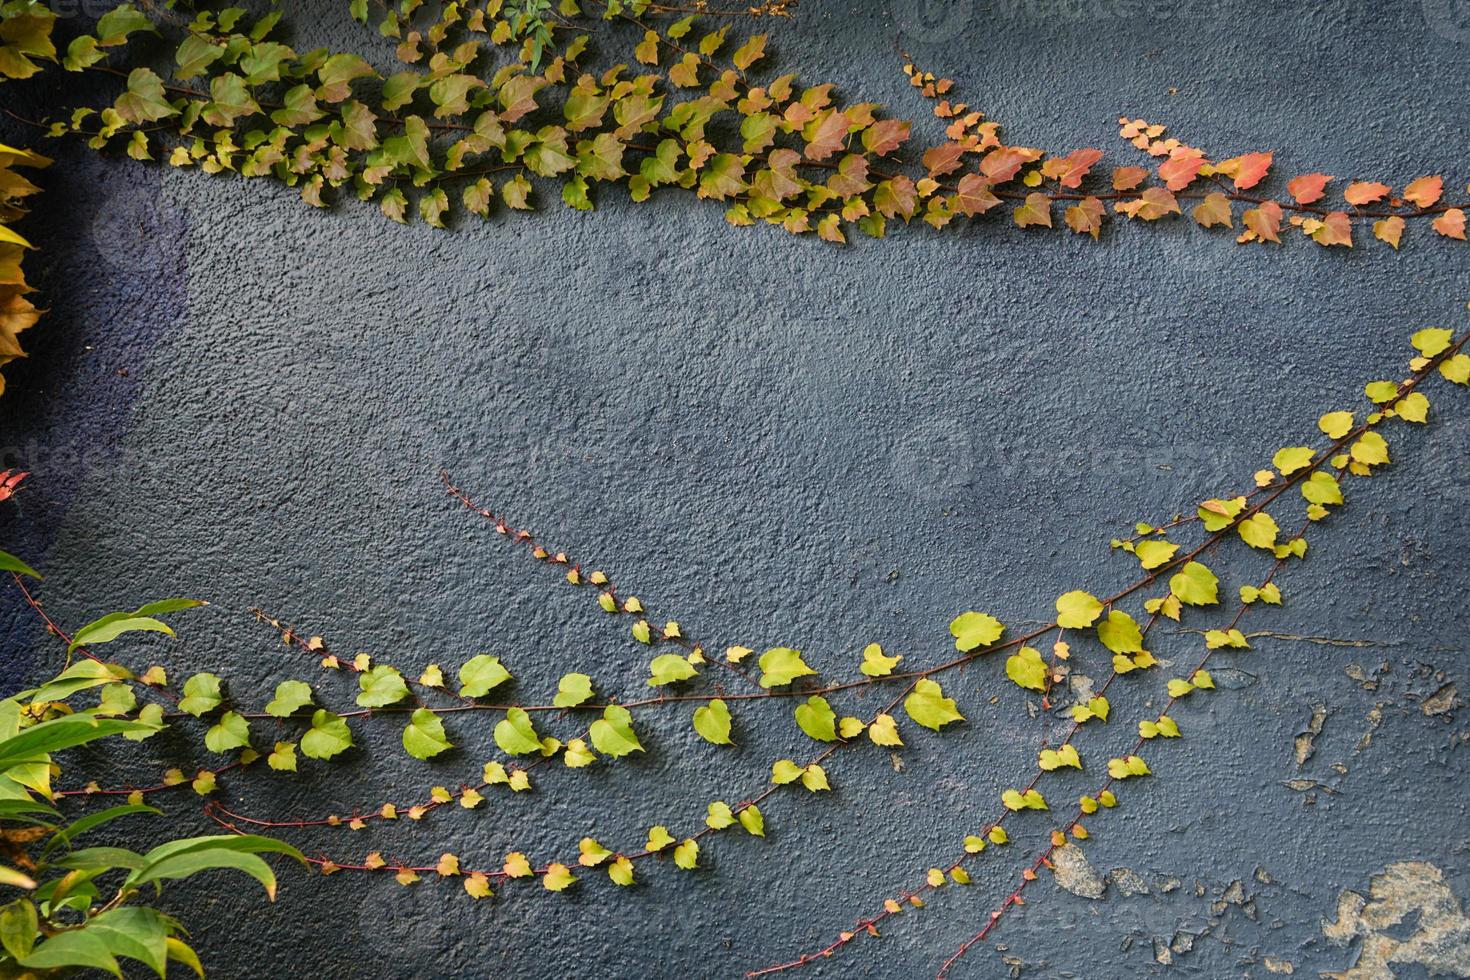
(1078, 610)
(613, 734)
(572, 690)
(232, 731)
(1120, 633)
(670, 668)
(712, 722)
(720, 816)
(973, 630)
(424, 736)
(381, 686)
(875, 664)
(516, 735)
(480, 674)
(201, 695)
(290, 697)
(329, 736)
(782, 665)
(686, 855)
(1153, 552)
(817, 719)
(1195, 585)
(753, 821)
(1026, 668)
(928, 706)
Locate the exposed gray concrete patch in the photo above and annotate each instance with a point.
(1440, 943)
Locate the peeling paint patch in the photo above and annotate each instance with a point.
(1440, 942)
(1441, 701)
(1307, 737)
(1074, 873)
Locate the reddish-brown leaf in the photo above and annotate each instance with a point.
(826, 135)
(1361, 192)
(1425, 191)
(885, 136)
(974, 196)
(942, 159)
(1451, 224)
(1127, 178)
(1002, 164)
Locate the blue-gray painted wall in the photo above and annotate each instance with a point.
(779, 442)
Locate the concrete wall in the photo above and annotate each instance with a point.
(781, 442)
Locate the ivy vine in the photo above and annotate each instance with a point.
(492, 105)
(1173, 580)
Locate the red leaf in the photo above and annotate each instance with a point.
(1308, 187)
(9, 484)
(1361, 192)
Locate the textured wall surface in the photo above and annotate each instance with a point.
(779, 442)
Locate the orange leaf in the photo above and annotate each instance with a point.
(1451, 224)
(1424, 191)
(1389, 229)
(1000, 165)
(1361, 192)
(1085, 217)
(1127, 178)
(1335, 229)
(1248, 170)
(1154, 203)
(943, 159)
(1182, 167)
(974, 196)
(1262, 224)
(1308, 187)
(1036, 211)
(1070, 170)
(1214, 210)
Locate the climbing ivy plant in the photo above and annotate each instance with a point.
(460, 110)
(302, 725)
